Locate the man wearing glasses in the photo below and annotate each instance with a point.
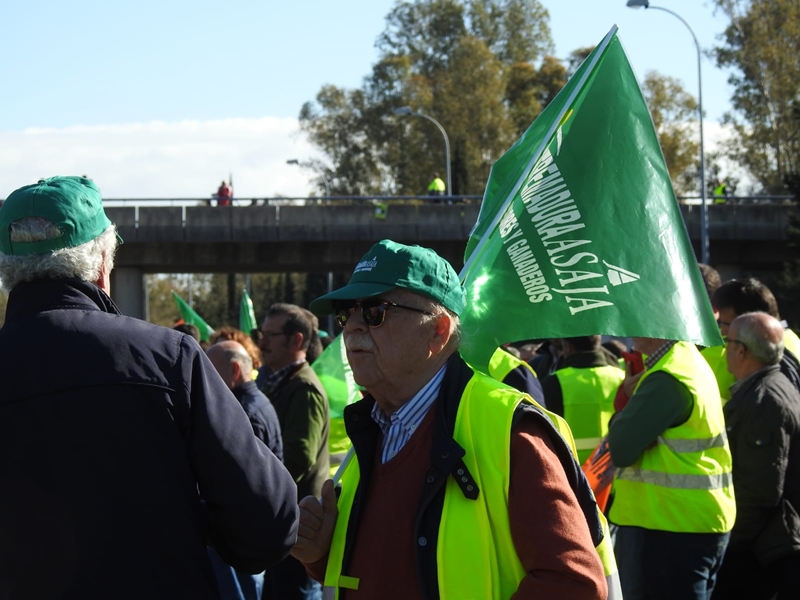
(302, 406)
(458, 486)
(737, 297)
(763, 419)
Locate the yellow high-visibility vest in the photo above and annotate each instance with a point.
(476, 557)
(684, 483)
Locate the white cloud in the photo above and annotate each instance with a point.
(716, 134)
(186, 159)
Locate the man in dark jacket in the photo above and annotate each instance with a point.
(763, 423)
(122, 452)
(235, 366)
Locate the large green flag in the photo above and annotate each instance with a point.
(579, 232)
(247, 316)
(190, 316)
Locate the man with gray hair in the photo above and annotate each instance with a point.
(235, 367)
(121, 449)
(435, 499)
(763, 422)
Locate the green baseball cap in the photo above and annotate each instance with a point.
(73, 204)
(389, 265)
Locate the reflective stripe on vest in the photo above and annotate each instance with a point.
(588, 398)
(683, 483)
(677, 482)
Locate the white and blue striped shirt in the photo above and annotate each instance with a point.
(398, 428)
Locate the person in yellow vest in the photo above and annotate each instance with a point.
(673, 501)
(582, 391)
(436, 500)
(737, 297)
(720, 192)
(504, 366)
(436, 187)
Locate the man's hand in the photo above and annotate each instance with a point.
(317, 521)
(629, 384)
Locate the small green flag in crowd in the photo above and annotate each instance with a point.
(579, 232)
(336, 376)
(190, 316)
(247, 316)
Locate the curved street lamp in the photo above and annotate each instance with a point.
(703, 205)
(294, 161)
(406, 110)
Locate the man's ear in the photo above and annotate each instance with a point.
(442, 333)
(104, 280)
(295, 341)
(236, 372)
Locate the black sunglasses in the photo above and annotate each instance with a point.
(373, 310)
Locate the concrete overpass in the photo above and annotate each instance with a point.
(321, 238)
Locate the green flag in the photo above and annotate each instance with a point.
(247, 316)
(189, 316)
(336, 376)
(579, 232)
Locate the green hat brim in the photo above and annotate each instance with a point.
(353, 291)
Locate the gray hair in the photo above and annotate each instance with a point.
(234, 352)
(437, 309)
(83, 262)
(762, 335)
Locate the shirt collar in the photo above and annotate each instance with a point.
(410, 415)
(273, 380)
(658, 354)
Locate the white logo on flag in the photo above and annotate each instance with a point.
(618, 275)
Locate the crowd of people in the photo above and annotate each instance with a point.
(139, 464)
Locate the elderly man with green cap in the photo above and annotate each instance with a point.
(458, 486)
(123, 455)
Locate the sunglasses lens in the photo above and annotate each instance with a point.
(373, 312)
(342, 312)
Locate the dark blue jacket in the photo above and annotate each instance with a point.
(262, 416)
(111, 431)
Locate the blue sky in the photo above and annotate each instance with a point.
(163, 99)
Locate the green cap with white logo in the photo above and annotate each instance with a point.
(389, 265)
(73, 204)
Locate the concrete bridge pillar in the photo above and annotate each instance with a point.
(128, 291)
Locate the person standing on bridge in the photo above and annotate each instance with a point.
(436, 187)
(131, 455)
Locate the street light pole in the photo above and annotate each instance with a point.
(294, 161)
(406, 110)
(704, 250)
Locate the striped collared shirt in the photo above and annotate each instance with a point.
(658, 354)
(398, 428)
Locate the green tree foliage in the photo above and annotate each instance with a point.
(674, 113)
(761, 46)
(469, 65)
